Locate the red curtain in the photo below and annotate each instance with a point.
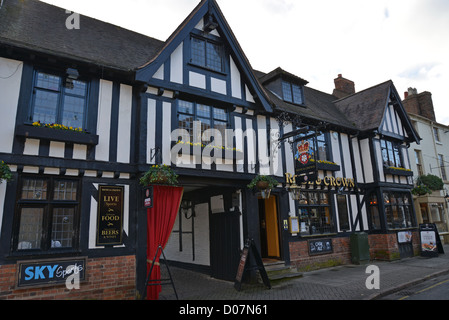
(160, 221)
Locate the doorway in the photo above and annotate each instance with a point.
(269, 228)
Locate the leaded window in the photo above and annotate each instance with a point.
(59, 100)
(198, 118)
(391, 154)
(315, 213)
(292, 92)
(398, 210)
(47, 214)
(206, 53)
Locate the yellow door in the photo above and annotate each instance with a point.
(271, 219)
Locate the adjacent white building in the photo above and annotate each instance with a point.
(431, 156)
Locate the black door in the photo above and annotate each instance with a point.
(224, 245)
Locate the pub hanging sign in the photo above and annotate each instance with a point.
(305, 162)
(110, 216)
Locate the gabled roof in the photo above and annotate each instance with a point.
(318, 105)
(365, 109)
(41, 27)
(279, 72)
(211, 8)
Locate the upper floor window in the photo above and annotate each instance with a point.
(436, 134)
(292, 92)
(206, 117)
(59, 100)
(418, 160)
(391, 154)
(443, 165)
(208, 54)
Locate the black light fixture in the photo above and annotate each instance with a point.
(187, 209)
(295, 191)
(209, 24)
(71, 74)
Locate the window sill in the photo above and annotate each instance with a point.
(222, 73)
(32, 132)
(37, 254)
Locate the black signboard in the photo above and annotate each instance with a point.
(431, 244)
(250, 249)
(50, 272)
(305, 158)
(320, 246)
(110, 216)
(148, 197)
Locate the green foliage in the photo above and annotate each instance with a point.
(5, 172)
(421, 190)
(159, 174)
(426, 184)
(272, 182)
(434, 183)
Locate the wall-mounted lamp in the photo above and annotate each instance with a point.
(210, 24)
(71, 74)
(295, 192)
(187, 209)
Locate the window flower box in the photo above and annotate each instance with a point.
(200, 149)
(398, 171)
(326, 165)
(56, 133)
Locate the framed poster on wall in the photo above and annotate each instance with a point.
(110, 215)
(294, 225)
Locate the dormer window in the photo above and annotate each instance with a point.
(292, 92)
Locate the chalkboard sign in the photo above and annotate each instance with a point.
(242, 263)
(250, 248)
(320, 246)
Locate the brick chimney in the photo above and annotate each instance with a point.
(343, 87)
(420, 104)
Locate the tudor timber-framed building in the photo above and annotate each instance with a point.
(129, 92)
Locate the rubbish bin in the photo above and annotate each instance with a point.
(359, 248)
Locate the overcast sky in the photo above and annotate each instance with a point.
(368, 42)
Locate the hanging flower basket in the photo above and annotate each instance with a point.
(159, 174)
(262, 183)
(5, 172)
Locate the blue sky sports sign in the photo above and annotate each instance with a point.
(49, 272)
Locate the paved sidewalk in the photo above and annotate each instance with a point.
(337, 283)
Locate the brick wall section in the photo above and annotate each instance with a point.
(420, 104)
(106, 279)
(382, 247)
(300, 258)
(385, 246)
